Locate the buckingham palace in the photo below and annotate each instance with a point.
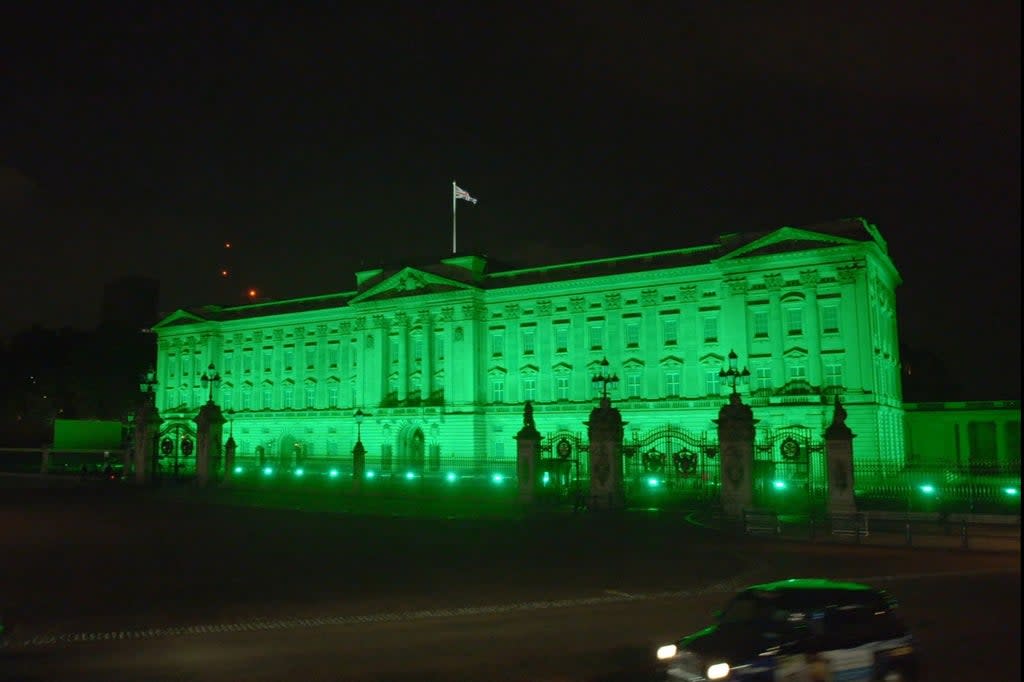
(441, 357)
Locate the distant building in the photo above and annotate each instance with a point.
(444, 355)
(979, 436)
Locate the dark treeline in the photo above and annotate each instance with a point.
(48, 374)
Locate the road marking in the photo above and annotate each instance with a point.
(261, 625)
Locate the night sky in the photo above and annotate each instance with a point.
(136, 138)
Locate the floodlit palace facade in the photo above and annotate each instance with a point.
(443, 356)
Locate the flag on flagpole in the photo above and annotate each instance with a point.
(463, 194)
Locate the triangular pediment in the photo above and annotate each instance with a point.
(787, 239)
(409, 282)
(178, 318)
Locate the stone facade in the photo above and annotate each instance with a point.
(443, 356)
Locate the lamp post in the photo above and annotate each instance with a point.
(358, 451)
(734, 374)
(210, 377)
(147, 385)
(604, 378)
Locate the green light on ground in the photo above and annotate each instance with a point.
(409, 475)
(927, 489)
(1012, 492)
(653, 482)
(779, 485)
(370, 474)
(239, 470)
(545, 479)
(450, 477)
(333, 473)
(497, 478)
(268, 471)
(299, 472)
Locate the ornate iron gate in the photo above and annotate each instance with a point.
(564, 466)
(176, 454)
(788, 461)
(684, 462)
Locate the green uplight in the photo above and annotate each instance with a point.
(409, 475)
(239, 470)
(546, 478)
(450, 477)
(779, 485)
(497, 478)
(333, 473)
(927, 489)
(653, 483)
(370, 474)
(299, 472)
(1012, 492)
(268, 471)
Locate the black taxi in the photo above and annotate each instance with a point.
(805, 629)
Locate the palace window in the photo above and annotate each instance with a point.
(246, 398)
(529, 388)
(830, 319)
(268, 399)
(797, 371)
(417, 348)
(247, 360)
(393, 350)
(229, 362)
(439, 346)
(632, 329)
(794, 321)
(763, 377)
(633, 385)
(561, 338)
(332, 395)
(529, 337)
(172, 365)
(562, 388)
(415, 386)
(760, 324)
(288, 398)
(333, 353)
(310, 401)
(498, 390)
(497, 342)
(288, 358)
(596, 334)
(672, 383)
(710, 329)
(268, 359)
(833, 374)
(225, 398)
(310, 355)
(670, 330)
(712, 382)
(186, 363)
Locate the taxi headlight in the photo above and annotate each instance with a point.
(667, 651)
(717, 671)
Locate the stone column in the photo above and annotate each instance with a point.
(605, 430)
(209, 435)
(839, 459)
(230, 447)
(147, 427)
(736, 442)
(527, 448)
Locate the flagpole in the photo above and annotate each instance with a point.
(453, 217)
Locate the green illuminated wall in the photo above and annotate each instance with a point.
(446, 354)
